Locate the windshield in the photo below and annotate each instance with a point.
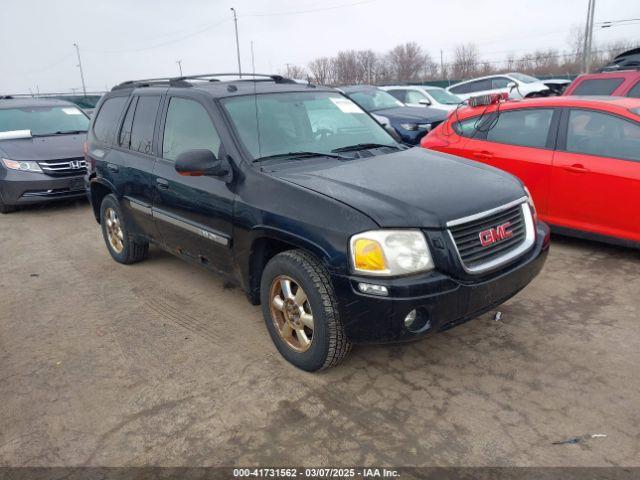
(301, 122)
(442, 96)
(521, 77)
(372, 100)
(43, 120)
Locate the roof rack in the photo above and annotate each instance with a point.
(210, 77)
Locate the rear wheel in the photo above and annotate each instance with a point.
(120, 243)
(301, 312)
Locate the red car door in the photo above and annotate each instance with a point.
(519, 141)
(595, 183)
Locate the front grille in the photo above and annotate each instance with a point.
(467, 238)
(66, 167)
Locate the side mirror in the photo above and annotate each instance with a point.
(195, 163)
(511, 86)
(425, 101)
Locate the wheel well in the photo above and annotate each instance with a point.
(263, 250)
(98, 192)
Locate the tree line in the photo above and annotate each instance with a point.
(409, 62)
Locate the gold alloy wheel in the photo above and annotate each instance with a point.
(291, 313)
(114, 230)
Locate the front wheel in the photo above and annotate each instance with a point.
(4, 208)
(301, 312)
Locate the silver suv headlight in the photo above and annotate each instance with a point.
(390, 253)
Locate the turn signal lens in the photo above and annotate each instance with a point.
(369, 255)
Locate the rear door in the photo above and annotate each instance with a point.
(595, 184)
(519, 141)
(194, 215)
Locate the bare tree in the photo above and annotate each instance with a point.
(322, 70)
(367, 65)
(345, 66)
(295, 71)
(408, 61)
(466, 59)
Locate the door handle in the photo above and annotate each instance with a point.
(162, 183)
(576, 168)
(112, 168)
(483, 154)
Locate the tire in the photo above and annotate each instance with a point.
(126, 250)
(4, 208)
(328, 341)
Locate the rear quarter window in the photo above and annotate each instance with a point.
(635, 91)
(107, 118)
(597, 86)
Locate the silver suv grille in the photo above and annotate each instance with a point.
(66, 167)
(490, 239)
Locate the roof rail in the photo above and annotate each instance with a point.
(182, 81)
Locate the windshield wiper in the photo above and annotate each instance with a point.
(363, 146)
(297, 155)
(59, 132)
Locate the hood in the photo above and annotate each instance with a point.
(534, 87)
(413, 114)
(43, 148)
(410, 188)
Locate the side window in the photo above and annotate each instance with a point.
(469, 127)
(108, 115)
(399, 94)
(144, 121)
(479, 85)
(500, 82)
(527, 127)
(635, 91)
(604, 135)
(188, 127)
(124, 139)
(414, 96)
(598, 86)
(459, 89)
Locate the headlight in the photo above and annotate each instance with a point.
(390, 252)
(532, 205)
(23, 166)
(382, 120)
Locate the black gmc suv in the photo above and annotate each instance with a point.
(341, 233)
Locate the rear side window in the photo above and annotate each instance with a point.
(399, 94)
(124, 140)
(144, 121)
(108, 116)
(598, 86)
(635, 91)
(500, 82)
(528, 127)
(604, 135)
(468, 128)
(188, 127)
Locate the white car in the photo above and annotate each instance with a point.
(425, 95)
(517, 85)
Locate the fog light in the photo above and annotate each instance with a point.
(373, 289)
(417, 321)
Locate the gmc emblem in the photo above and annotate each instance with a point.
(496, 234)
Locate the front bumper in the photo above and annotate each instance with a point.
(21, 188)
(446, 301)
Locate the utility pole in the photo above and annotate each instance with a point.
(588, 37)
(253, 59)
(235, 22)
(84, 88)
(179, 62)
(441, 65)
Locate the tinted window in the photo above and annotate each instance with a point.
(124, 138)
(500, 82)
(598, 86)
(414, 96)
(188, 127)
(468, 128)
(596, 133)
(144, 120)
(635, 91)
(479, 85)
(399, 94)
(528, 127)
(108, 116)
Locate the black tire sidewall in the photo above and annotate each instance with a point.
(110, 201)
(315, 357)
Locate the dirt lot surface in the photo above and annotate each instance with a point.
(162, 364)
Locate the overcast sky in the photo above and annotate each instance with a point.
(121, 40)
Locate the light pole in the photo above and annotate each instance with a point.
(179, 62)
(84, 88)
(253, 59)
(235, 22)
(588, 37)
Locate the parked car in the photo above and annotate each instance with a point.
(41, 156)
(517, 85)
(611, 83)
(629, 60)
(579, 157)
(425, 96)
(294, 192)
(410, 123)
(557, 86)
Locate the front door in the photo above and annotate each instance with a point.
(194, 215)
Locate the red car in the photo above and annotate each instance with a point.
(621, 84)
(579, 157)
